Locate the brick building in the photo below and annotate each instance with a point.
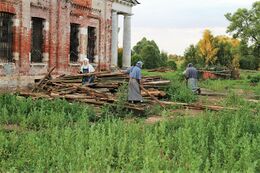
(36, 35)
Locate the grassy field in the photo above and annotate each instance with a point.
(57, 136)
(241, 86)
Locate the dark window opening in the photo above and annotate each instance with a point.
(37, 40)
(74, 42)
(6, 37)
(91, 43)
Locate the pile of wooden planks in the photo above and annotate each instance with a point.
(102, 91)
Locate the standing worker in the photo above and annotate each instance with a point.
(85, 68)
(134, 89)
(191, 75)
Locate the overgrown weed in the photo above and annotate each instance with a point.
(178, 91)
(225, 141)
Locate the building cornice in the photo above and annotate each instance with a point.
(85, 8)
(127, 2)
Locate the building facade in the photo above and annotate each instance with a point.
(36, 35)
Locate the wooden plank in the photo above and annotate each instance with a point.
(44, 78)
(154, 98)
(200, 107)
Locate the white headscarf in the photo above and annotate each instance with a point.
(85, 60)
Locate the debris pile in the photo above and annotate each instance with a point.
(102, 91)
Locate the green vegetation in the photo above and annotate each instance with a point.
(58, 136)
(177, 90)
(239, 28)
(55, 136)
(242, 86)
(148, 52)
(213, 51)
(230, 52)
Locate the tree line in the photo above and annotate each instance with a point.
(242, 50)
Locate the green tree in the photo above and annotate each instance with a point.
(151, 56)
(191, 55)
(228, 51)
(164, 59)
(148, 52)
(136, 58)
(139, 46)
(247, 60)
(214, 51)
(245, 24)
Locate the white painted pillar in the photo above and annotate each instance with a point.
(114, 59)
(127, 42)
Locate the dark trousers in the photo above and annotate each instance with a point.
(87, 79)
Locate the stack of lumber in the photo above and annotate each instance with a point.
(102, 91)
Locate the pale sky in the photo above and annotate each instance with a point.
(175, 24)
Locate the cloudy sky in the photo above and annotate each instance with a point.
(175, 24)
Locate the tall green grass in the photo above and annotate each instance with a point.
(56, 136)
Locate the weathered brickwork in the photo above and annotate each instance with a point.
(56, 16)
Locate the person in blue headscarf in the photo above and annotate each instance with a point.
(191, 75)
(134, 90)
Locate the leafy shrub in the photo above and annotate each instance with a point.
(37, 114)
(172, 65)
(178, 91)
(118, 108)
(255, 79)
(248, 62)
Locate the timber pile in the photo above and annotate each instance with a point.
(102, 91)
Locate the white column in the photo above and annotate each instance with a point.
(127, 42)
(114, 59)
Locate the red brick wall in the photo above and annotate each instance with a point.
(59, 15)
(6, 7)
(86, 3)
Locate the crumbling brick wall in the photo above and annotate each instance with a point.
(57, 16)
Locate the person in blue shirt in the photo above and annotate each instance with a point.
(134, 90)
(191, 75)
